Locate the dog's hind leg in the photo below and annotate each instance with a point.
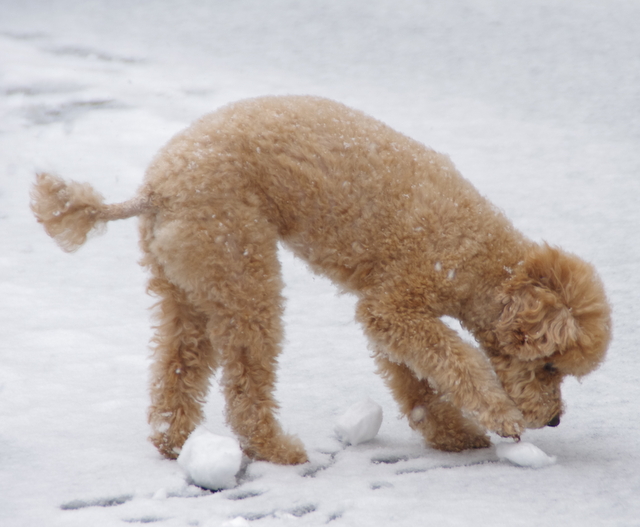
(230, 270)
(249, 356)
(249, 331)
(184, 361)
(442, 425)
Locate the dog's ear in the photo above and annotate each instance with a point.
(555, 305)
(535, 323)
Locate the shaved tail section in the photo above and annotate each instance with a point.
(70, 211)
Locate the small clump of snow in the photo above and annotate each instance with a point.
(211, 461)
(359, 423)
(524, 455)
(238, 521)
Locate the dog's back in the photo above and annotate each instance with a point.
(347, 193)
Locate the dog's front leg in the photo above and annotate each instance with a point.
(436, 354)
(441, 423)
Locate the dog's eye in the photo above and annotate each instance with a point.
(550, 368)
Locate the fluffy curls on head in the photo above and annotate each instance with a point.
(554, 309)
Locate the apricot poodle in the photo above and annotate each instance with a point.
(385, 218)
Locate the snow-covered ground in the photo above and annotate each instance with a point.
(537, 102)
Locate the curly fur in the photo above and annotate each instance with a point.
(68, 211)
(385, 218)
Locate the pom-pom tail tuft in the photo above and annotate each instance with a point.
(69, 211)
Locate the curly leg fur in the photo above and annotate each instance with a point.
(184, 361)
(433, 352)
(249, 380)
(226, 281)
(441, 424)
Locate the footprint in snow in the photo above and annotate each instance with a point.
(97, 502)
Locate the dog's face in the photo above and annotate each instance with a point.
(555, 322)
(534, 386)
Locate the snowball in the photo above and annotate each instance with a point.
(524, 455)
(211, 461)
(239, 521)
(360, 422)
(160, 494)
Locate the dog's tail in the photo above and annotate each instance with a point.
(70, 211)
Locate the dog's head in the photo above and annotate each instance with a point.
(555, 322)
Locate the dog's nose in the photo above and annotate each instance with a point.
(555, 421)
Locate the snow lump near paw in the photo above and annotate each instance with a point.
(211, 461)
(359, 423)
(524, 455)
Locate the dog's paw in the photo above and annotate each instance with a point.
(456, 435)
(167, 445)
(513, 426)
(507, 423)
(282, 449)
(459, 442)
(513, 430)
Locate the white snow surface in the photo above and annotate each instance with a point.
(537, 102)
(360, 423)
(211, 461)
(524, 454)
